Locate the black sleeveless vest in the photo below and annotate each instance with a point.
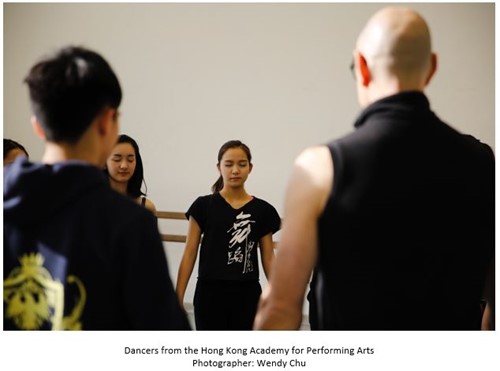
(408, 230)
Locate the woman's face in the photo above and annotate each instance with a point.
(234, 167)
(121, 163)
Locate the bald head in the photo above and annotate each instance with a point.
(396, 46)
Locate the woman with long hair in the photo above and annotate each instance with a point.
(234, 226)
(126, 173)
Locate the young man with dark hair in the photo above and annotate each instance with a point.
(78, 255)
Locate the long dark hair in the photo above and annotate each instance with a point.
(9, 145)
(219, 184)
(135, 183)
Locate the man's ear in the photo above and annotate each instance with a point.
(106, 120)
(364, 71)
(37, 128)
(433, 69)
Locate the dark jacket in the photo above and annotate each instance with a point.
(78, 255)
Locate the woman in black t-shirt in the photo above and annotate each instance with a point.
(233, 224)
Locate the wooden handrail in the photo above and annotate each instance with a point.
(173, 237)
(171, 215)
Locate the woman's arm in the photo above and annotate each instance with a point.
(188, 258)
(267, 253)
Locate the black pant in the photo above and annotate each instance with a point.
(226, 305)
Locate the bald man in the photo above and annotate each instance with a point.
(396, 218)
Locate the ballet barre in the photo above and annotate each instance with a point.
(172, 215)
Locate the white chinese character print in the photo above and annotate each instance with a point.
(239, 240)
(234, 256)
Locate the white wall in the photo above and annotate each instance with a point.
(273, 75)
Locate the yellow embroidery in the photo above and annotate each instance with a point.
(72, 322)
(32, 297)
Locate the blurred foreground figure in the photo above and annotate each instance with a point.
(396, 218)
(78, 255)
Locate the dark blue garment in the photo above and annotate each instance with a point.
(78, 255)
(408, 231)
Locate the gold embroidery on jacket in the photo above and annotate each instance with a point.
(32, 297)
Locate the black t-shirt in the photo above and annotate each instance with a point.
(231, 236)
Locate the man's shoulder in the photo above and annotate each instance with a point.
(314, 159)
(313, 173)
(481, 147)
